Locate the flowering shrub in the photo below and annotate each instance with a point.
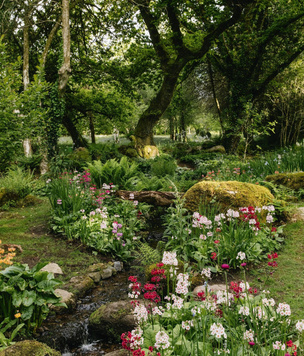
(229, 238)
(95, 216)
(238, 321)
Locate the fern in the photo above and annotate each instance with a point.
(146, 255)
(118, 173)
(143, 182)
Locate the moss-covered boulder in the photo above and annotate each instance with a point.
(79, 285)
(6, 196)
(29, 348)
(293, 181)
(227, 194)
(112, 319)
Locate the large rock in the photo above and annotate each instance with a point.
(79, 285)
(29, 348)
(65, 297)
(112, 319)
(219, 149)
(118, 353)
(228, 195)
(293, 181)
(53, 268)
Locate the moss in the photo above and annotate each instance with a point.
(120, 313)
(29, 200)
(293, 181)
(227, 194)
(29, 348)
(148, 151)
(97, 315)
(6, 196)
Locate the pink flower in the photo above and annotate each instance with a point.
(225, 266)
(251, 343)
(243, 264)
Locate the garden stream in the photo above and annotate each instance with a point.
(70, 334)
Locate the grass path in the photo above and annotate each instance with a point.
(29, 228)
(287, 282)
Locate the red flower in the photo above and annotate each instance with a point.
(274, 229)
(289, 343)
(217, 241)
(132, 279)
(201, 295)
(213, 255)
(149, 286)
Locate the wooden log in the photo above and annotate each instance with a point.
(149, 197)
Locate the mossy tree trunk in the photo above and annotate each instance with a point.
(159, 104)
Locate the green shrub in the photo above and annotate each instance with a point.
(17, 183)
(104, 152)
(30, 163)
(163, 165)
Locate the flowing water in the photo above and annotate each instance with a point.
(69, 333)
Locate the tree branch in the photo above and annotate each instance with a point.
(223, 26)
(154, 34)
(277, 71)
(175, 27)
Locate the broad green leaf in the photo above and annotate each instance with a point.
(28, 298)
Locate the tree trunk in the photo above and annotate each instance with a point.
(150, 117)
(65, 70)
(78, 140)
(92, 128)
(171, 127)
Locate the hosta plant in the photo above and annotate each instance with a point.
(26, 294)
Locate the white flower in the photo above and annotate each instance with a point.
(162, 340)
(169, 258)
(278, 345)
(268, 302)
(206, 272)
(140, 312)
(182, 284)
(244, 311)
(186, 325)
(284, 309)
(300, 325)
(241, 256)
(249, 335)
(218, 330)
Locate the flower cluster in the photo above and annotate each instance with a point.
(284, 309)
(218, 331)
(169, 258)
(182, 283)
(272, 257)
(162, 340)
(135, 287)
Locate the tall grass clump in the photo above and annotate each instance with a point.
(17, 182)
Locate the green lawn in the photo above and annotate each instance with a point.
(29, 228)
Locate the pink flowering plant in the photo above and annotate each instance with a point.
(237, 320)
(223, 238)
(95, 216)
